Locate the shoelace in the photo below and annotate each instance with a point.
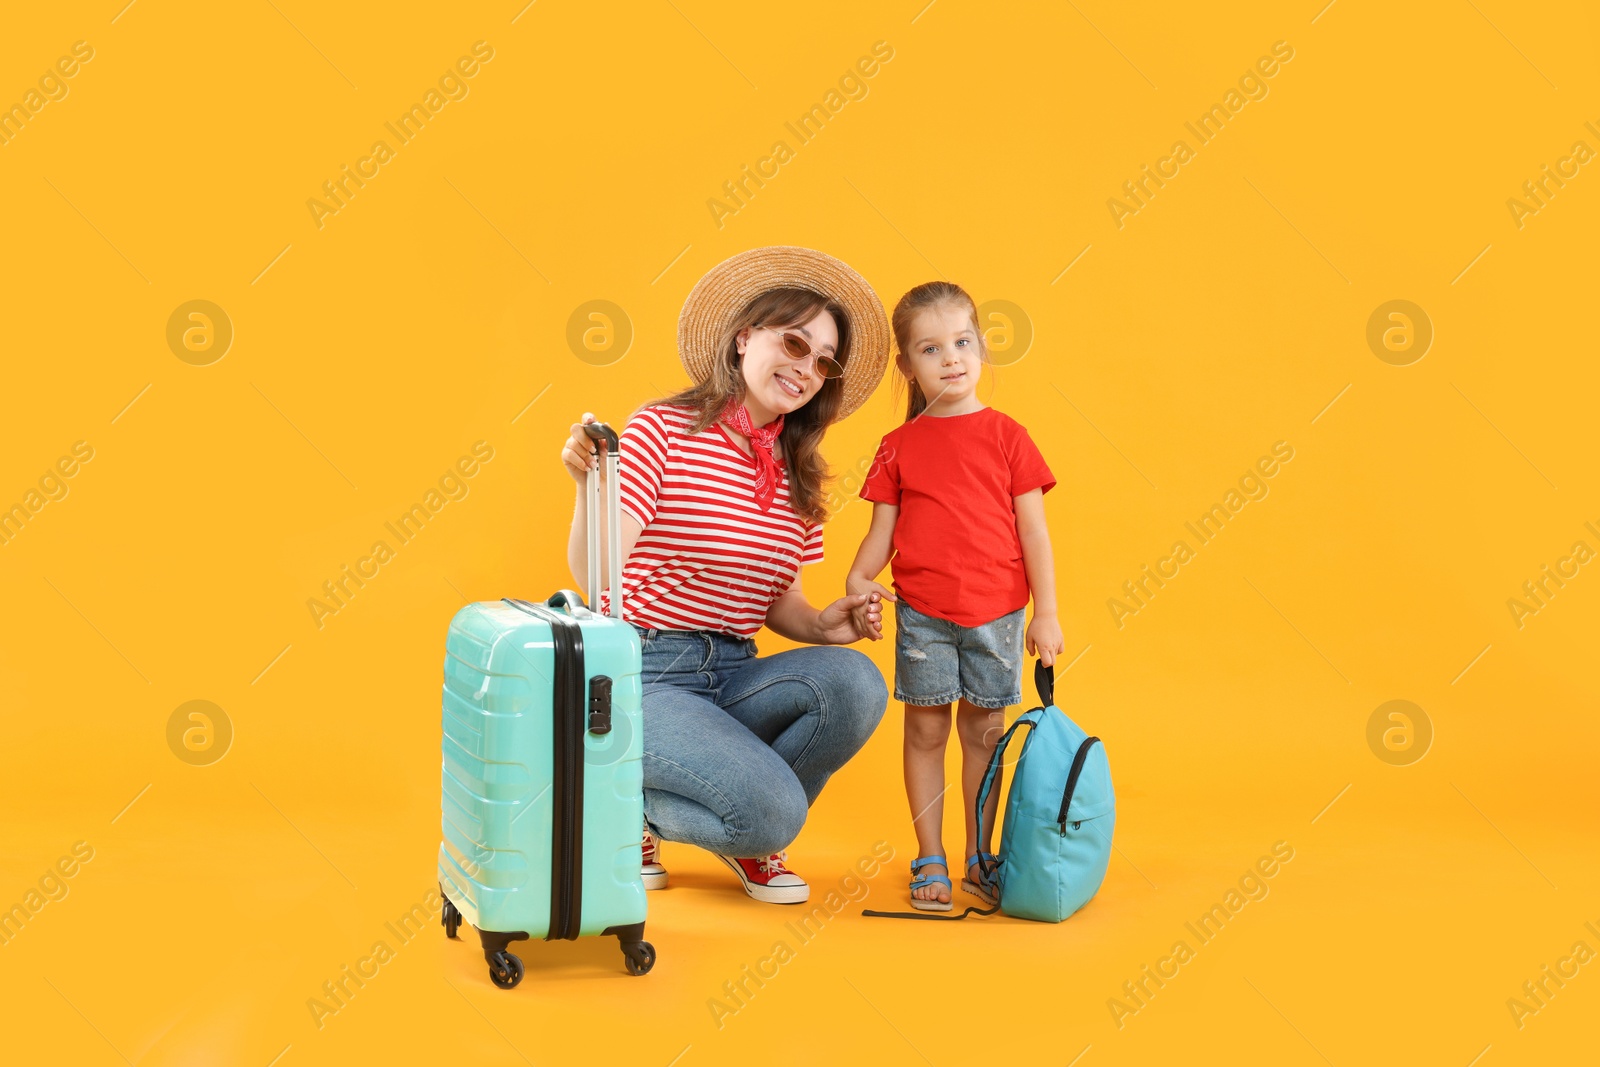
(774, 864)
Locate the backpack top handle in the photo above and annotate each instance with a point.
(1044, 680)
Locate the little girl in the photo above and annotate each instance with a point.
(958, 501)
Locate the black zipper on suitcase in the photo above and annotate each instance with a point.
(568, 706)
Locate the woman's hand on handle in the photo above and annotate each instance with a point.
(582, 453)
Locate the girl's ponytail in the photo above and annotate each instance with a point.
(916, 403)
(926, 295)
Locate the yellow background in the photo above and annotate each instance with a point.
(432, 309)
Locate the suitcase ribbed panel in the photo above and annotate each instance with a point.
(495, 851)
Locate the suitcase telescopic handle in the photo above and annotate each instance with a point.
(599, 431)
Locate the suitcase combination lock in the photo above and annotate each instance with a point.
(600, 704)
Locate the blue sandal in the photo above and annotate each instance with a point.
(918, 882)
(987, 887)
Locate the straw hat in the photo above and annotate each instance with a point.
(727, 288)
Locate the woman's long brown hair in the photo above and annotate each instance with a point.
(802, 428)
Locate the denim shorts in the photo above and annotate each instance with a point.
(936, 661)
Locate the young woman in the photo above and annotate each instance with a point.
(722, 502)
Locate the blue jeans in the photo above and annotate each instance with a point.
(736, 747)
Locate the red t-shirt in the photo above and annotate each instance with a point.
(957, 553)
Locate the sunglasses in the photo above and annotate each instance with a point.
(796, 347)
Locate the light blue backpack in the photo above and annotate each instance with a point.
(1055, 844)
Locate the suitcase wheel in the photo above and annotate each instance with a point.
(639, 955)
(451, 919)
(505, 970)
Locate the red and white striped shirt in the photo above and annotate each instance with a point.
(708, 557)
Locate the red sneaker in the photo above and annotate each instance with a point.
(653, 874)
(767, 879)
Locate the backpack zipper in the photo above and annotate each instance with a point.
(1072, 783)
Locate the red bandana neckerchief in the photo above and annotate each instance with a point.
(761, 439)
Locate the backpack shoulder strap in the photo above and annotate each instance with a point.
(929, 915)
(991, 773)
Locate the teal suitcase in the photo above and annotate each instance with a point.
(543, 798)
